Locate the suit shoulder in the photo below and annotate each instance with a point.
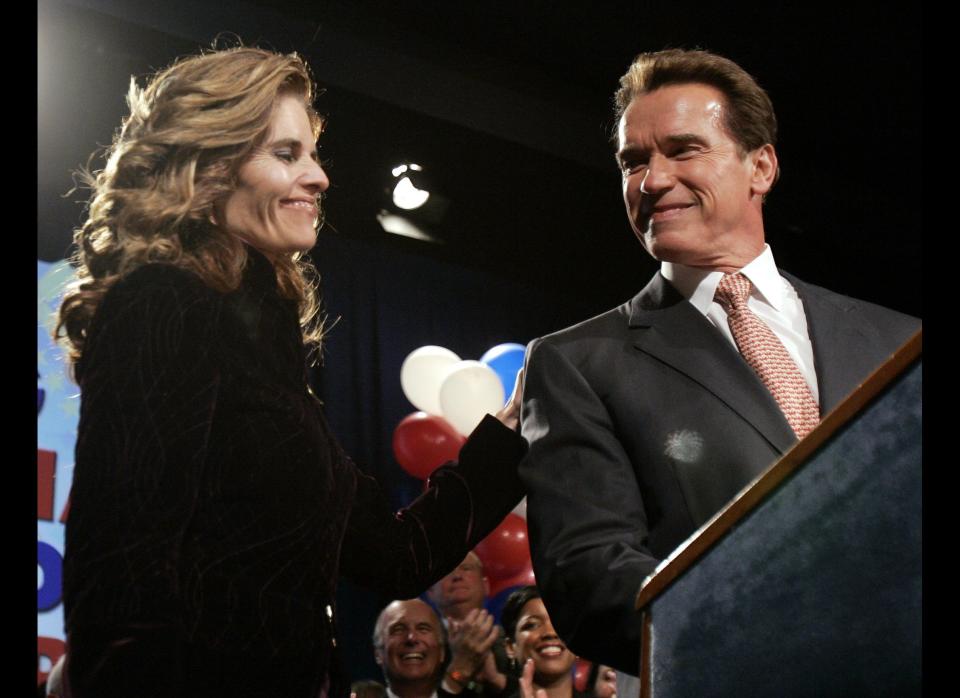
(882, 317)
(153, 294)
(151, 278)
(160, 286)
(159, 306)
(613, 321)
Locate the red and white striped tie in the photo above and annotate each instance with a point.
(766, 354)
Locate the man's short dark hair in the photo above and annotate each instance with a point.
(748, 116)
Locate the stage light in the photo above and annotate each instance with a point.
(413, 204)
(406, 194)
(399, 225)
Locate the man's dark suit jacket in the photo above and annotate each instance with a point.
(645, 421)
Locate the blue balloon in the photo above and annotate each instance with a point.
(505, 360)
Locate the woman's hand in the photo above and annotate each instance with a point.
(527, 689)
(509, 414)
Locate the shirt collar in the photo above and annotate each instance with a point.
(700, 285)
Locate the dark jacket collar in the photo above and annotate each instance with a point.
(259, 272)
(270, 326)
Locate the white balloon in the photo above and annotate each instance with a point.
(469, 391)
(521, 509)
(422, 373)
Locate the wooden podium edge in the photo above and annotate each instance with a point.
(646, 655)
(753, 494)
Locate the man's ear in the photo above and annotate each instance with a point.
(378, 655)
(486, 586)
(765, 169)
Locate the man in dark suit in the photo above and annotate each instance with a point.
(643, 422)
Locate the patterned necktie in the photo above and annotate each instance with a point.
(766, 354)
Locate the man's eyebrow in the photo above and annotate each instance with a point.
(674, 139)
(686, 138)
(628, 150)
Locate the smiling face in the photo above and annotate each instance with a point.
(409, 645)
(536, 639)
(691, 195)
(275, 205)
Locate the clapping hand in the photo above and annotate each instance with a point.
(527, 689)
(471, 640)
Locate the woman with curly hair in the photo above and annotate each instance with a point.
(212, 510)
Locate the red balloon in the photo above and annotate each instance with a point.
(422, 441)
(524, 578)
(581, 674)
(505, 552)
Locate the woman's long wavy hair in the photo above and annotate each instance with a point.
(176, 154)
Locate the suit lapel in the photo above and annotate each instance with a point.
(838, 335)
(665, 326)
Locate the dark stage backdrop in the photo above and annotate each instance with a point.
(382, 304)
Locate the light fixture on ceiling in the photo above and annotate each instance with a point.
(413, 207)
(406, 194)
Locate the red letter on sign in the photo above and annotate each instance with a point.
(46, 469)
(51, 648)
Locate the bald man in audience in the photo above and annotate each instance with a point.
(408, 644)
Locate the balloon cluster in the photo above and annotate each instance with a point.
(505, 553)
(452, 396)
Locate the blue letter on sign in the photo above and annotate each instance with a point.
(50, 561)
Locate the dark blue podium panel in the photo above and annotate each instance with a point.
(817, 591)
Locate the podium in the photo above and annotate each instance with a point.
(809, 582)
